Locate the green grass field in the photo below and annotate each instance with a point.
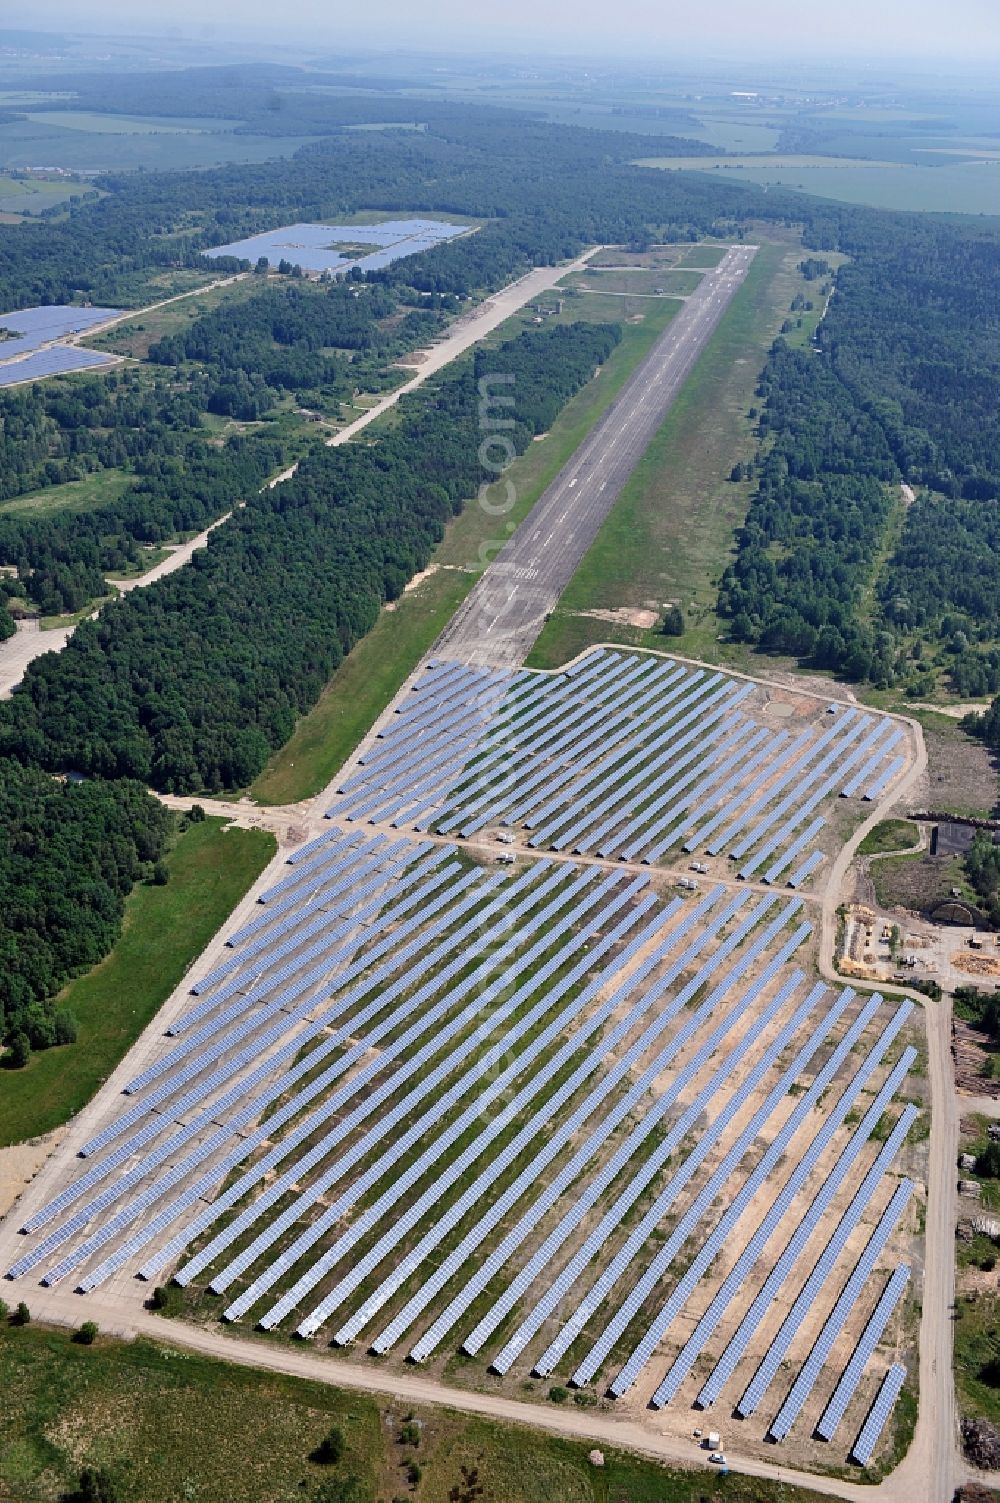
(977, 1356)
(890, 835)
(370, 675)
(32, 195)
(703, 256)
(168, 1426)
(211, 867)
(75, 496)
(637, 280)
(670, 534)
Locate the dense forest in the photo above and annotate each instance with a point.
(62, 560)
(70, 854)
(284, 339)
(906, 388)
(819, 510)
(985, 725)
(192, 683)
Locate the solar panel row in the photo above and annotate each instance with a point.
(878, 1416)
(55, 360)
(721, 1232)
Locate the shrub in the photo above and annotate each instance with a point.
(339, 1490)
(87, 1333)
(330, 1449)
(673, 622)
(65, 1026)
(19, 1052)
(95, 1486)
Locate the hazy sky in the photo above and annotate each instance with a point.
(653, 29)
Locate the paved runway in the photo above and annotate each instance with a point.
(500, 619)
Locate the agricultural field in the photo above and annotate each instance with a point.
(968, 185)
(88, 142)
(20, 196)
(129, 125)
(774, 161)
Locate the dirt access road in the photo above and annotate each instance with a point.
(461, 336)
(933, 1466)
(307, 1362)
(30, 642)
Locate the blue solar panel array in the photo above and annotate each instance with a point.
(419, 1088)
(308, 245)
(878, 1416)
(38, 326)
(23, 357)
(55, 360)
(870, 1337)
(622, 755)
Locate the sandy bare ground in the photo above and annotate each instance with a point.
(289, 823)
(29, 642)
(956, 712)
(20, 1162)
(624, 615)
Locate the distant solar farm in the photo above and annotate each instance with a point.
(574, 1114)
(313, 247)
(33, 352)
